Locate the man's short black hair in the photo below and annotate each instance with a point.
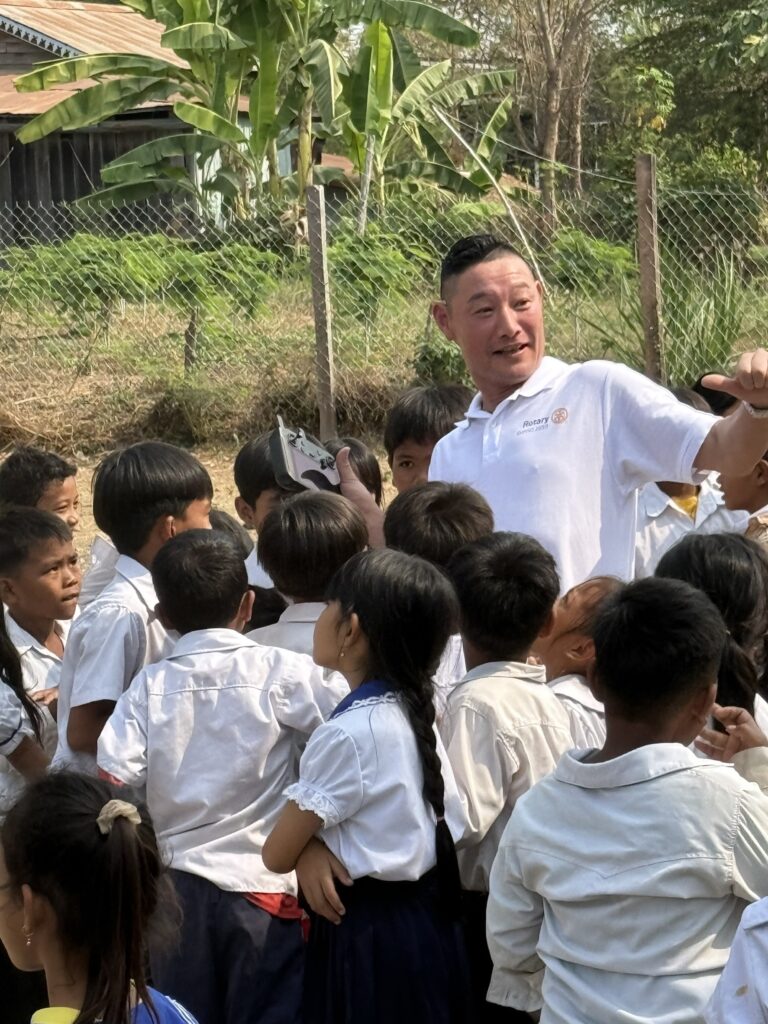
(656, 642)
(507, 585)
(200, 580)
(718, 401)
(424, 415)
(254, 472)
(27, 472)
(363, 461)
(306, 539)
(471, 250)
(435, 519)
(22, 530)
(134, 486)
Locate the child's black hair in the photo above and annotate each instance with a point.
(363, 461)
(435, 519)
(200, 580)
(469, 251)
(27, 472)
(507, 585)
(306, 539)
(599, 589)
(732, 571)
(424, 415)
(691, 398)
(656, 642)
(134, 486)
(254, 472)
(407, 610)
(21, 531)
(718, 401)
(103, 887)
(225, 523)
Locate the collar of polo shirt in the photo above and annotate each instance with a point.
(542, 379)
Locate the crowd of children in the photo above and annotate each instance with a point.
(376, 769)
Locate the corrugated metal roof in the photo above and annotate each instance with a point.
(28, 104)
(68, 28)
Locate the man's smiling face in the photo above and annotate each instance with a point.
(493, 311)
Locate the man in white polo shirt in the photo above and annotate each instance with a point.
(559, 450)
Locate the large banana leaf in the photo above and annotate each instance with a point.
(496, 122)
(209, 121)
(323, 62)
(407, 14)
(473, 86)
(152, 154)
(202, 35)
(127, 173)
(368, 89)
(134, 192)
(195, 10)
(436, 174)
(407, 63)
(263, 100)
(167, 12)
(421, 90)
(76, 68)
(96, 104)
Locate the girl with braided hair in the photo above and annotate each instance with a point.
(373, 783)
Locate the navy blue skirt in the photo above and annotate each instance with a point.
(396, 958)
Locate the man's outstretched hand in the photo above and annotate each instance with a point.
(749, 382)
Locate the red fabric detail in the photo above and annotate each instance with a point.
(280, 904)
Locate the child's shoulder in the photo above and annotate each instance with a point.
(167, 1011)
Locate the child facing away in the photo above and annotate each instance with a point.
(414, 425)
(433, 520)
(142, 496)
(373, 786)
(39, 586)
(503, 728)
(667, 511)
(303, 541)
(621, 877)
(34, 478)
(567, 652)
(364, 463)
(213, 732)
(81, 880)
(733, 572)
(751, 494)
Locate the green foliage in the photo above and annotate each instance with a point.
(586, 264)
(439, 361)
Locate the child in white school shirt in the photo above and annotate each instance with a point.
(375, 789)
(213, 732)
(433, 520)
(142, 496)
(567, 651)
(303, 541)
(621, 877)
(503, 728)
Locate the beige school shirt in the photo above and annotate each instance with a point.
(503, 730)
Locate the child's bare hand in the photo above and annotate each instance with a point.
(316, 870)
(741, 733)
(46, 697)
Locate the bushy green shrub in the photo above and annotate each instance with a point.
(586, 264)
(439, 361)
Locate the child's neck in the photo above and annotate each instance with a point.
(41, 628)
(676, 490)
(759, 502)
(623, 736)
(474, 656)
(66, 978)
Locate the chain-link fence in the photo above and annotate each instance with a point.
(116, 323)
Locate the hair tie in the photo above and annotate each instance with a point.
(116, 809)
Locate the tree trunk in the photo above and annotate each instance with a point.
(191, 335)
(275, 185)
(550, 136)
(305, 148)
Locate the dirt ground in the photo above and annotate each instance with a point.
(218, 462)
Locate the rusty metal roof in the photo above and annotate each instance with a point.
(29, 104)
(66, 28)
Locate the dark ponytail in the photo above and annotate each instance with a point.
(733, 572)
(104, 887)
(408, 610)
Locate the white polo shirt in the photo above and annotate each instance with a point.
(561, 459)
(585, 712)
(214, 733)
(661, 523)
(115, 637)
(40, 669)
(15, 726)
(294, 630)
(741, 996)
(257, 577)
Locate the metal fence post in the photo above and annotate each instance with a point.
(321, 302)
(648, 260)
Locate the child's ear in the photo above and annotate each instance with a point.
(548, 626)
(7, 590)
(701, 703)
(165, 528)
(245, 611)
(594, 683)
(245, 512)
(582, 650)
(761, 473)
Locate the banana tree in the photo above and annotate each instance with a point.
(280, 53)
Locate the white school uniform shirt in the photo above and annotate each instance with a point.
(741, 996)
(214, 731)
(14, 727)
(449, 674)
(361, 774)
(618, 886)
(561, 459)
(100, 572)
(40, 669)
(257, 577)
(586, 713)
(114, 638)
(294, 630)
(503, 730)
(661, 523)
